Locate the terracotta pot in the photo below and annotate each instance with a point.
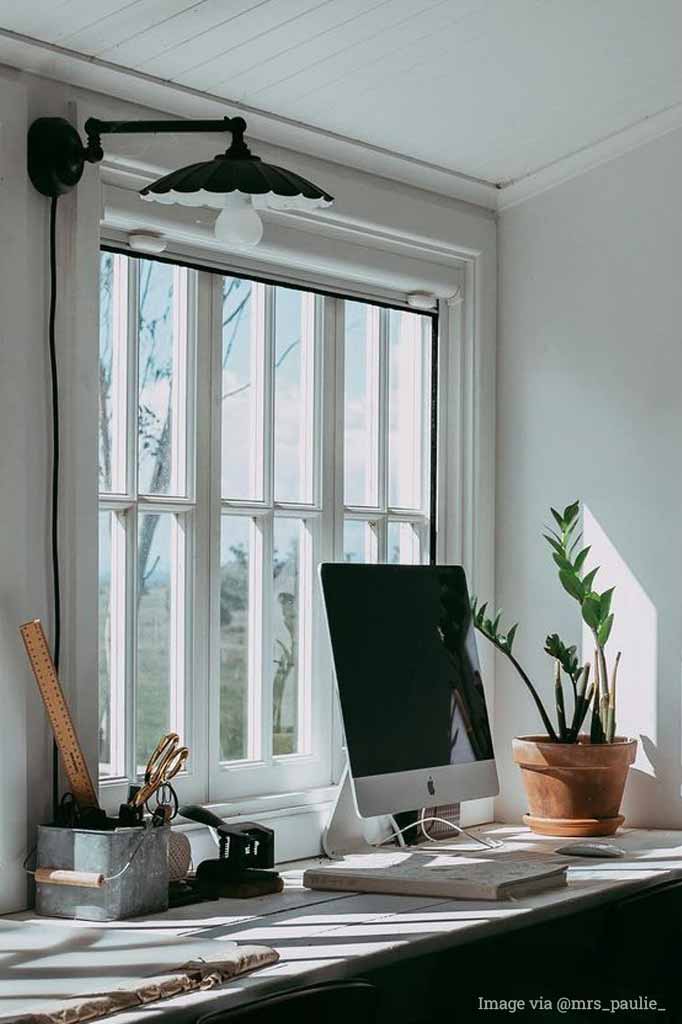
(573, 789)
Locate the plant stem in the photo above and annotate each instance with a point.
(611, 713)
(559, 697)
(583, 712)
(534, 694)
(603, 673)
(581, 702)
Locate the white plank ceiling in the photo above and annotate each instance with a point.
(496, 89)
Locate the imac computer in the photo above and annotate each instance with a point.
(409, 683)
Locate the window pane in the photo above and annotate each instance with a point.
(408, 402)
(285, 626)
(361, 402)
(403, 544)
(234, 636)
(106, 350)
(104, 639)
(293, 352)
(157, 376)
(242, 375)
(359, 541)
(155, 572)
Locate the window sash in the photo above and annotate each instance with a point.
(263, 770)
(201, 506)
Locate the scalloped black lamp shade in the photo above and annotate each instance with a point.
(237, 170)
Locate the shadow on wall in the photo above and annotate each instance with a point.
(648, 703)
(647, 789)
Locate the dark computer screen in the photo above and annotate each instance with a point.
(408, 674)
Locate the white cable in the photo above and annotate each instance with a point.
(397, 833)
(491, 844)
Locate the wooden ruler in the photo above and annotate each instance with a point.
(58, 712)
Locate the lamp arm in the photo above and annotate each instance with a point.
(94, 129)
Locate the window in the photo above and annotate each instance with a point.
(247, 432)
(387, 355)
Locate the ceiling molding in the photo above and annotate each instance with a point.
(57, 63)
(589, 157)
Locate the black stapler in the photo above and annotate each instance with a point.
(245, 860)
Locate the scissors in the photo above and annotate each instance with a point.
(168, 759)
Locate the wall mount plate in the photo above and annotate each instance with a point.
(56, 156)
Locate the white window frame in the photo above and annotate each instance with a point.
(380, 516)
(315, 767)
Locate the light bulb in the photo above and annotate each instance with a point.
(238, 223)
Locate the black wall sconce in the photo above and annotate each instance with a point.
(235, 181)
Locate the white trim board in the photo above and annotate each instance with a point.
(77, 69)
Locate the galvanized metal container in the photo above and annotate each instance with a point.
(142, 888)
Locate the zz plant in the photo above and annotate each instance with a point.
(599, 693)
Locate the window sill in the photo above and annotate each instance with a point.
(297, 819)
(274, 804)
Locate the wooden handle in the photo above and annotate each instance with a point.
(60, 876)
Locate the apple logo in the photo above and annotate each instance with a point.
(431, 787)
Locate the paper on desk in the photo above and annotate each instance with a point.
(42, 964)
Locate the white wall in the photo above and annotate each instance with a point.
(402, 218)
(588, 378)
(25, 581)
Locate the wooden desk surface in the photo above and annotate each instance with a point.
(322, 936)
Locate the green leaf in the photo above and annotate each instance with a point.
(574, 543)
(591, 611)
(570, 528)
(580, 559)
(551, 642)
(509, 640)
(604, 631)
(554, 543)
(558, 519)
(481, 612)
(571, 512)
(497, 622)
(563, 562)
(557, 649)
(572, 584)
(588, 579)
(605, 602)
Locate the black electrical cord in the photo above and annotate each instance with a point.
(57, 617)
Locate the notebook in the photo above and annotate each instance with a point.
(446, 875)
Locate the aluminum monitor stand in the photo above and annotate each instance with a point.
(345, 830)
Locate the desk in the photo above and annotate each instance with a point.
(323, 936)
